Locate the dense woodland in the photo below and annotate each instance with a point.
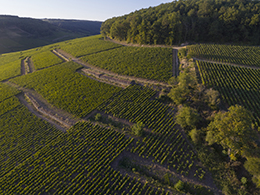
(222, 21)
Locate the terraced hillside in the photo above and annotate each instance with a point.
(68, 123)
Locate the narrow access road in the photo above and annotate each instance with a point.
(23, 70)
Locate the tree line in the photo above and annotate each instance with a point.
(233, 21)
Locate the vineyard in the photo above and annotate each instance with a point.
(10, 70)
(22, 134)
(6, 91)
(164, 143)
(143, 62)
(243, 55)
(87, 45)
(77, 162)
(236, 85)
(45, 59)
(93, 157)
(61, 86)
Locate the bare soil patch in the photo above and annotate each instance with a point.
(60, 55)
(23, 70)
(38, 114)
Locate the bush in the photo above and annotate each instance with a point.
(98, 117)
(212, 97)
(137, 129)
(179, 185)
(195, 135)
(187, 117)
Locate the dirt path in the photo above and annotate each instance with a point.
(225, 63)
(105, 78)
(59, 54)
(41, 108)
(32, 110)
(23, 70)
(108, 75)
(158, 168)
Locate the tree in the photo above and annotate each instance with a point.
(212, 97)
(195, 135)
(186, 83)
(252, 165)
(98, 117)
(179, 185)
(233, 130)
(138, 129)
(187, 117)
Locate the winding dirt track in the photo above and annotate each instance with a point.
(23, 70)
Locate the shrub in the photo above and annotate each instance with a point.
(179, 185)
(98, 117)
(137, 129)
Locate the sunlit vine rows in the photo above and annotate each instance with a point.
(21, 135)
(45, 59)
(164, 143)
(236, 85)
(6, 91)
(62, 86)
(77, 162)
(244, 55)
(143, 62)
(87, 45)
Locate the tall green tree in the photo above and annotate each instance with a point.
(233, 130)
(187, 117)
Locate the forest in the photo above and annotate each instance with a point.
(218, 21)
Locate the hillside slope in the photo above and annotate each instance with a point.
(18, 34)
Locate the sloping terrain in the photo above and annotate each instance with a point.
(45, 90)
(18, 34)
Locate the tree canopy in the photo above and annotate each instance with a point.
(189, 20)
(233, 130)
